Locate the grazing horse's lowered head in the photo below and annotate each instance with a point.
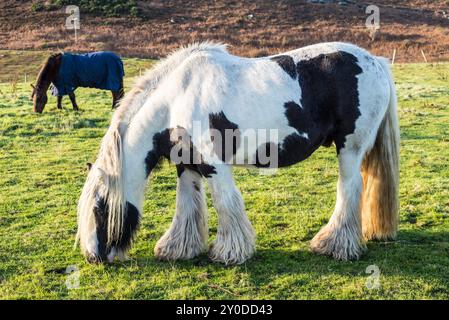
(106, 222)
(46, 76)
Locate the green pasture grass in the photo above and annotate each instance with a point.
(42, 170)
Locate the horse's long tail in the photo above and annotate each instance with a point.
(380, 171)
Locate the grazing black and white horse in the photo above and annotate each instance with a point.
(66, 72)
(318, 95)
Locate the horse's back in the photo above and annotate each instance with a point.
(100, 70)
(102, 58)
(312, 96)
(342, 88)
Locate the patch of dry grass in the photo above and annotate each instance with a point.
(252, 28)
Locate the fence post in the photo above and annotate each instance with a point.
(423, 55)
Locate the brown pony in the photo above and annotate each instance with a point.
(50, 73)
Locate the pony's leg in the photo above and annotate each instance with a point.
(117, 95)
(115, 99)
(187, 235)
(73, 100)
(342, 237)
(59, 102)
(235, 235)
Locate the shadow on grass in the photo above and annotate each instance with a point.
(415, 254)
(418, 258)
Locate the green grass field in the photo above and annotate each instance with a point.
(42, 161)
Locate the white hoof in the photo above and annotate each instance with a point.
(341, 244)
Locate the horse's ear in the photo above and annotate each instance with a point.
(32, 86)
(89, 166)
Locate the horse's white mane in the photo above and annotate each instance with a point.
(145, 84)
(109, 160)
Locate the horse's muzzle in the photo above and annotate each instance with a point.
(95, 259)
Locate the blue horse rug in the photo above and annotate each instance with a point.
(101, 70)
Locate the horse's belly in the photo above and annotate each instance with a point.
(292, 149)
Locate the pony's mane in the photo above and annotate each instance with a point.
(145, 84)
(110, 157)
(46, 69)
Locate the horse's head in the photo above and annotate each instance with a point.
(93, 216)
(39, 97)
(46, 75)
(106, 221)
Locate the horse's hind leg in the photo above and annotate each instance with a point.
(59, 102)
(73, 100)
(187, 235)
(235, 235)
(342, 237)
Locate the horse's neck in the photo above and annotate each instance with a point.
(44, 83)
(49, 73)
(137, 143)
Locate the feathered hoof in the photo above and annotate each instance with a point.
(94, 259)
(169, 250)
(340, 244)
(231, 253)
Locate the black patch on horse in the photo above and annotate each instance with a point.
(196, 186)
(162, 147)
(130, 226)
(267, 150)
(295, 147)
(330, 93)
(101, 214)
(227, 130)
(330, 107)
(286, 63)
(180, 168)
(203, 169)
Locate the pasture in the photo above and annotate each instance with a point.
(43, 168)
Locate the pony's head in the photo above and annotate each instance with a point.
(106, 222)
(39, 97)
(46, 75)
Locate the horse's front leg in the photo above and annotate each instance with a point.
(235, 236)
(342, 237)
(59, 102)
(73, 100)
(187, 235)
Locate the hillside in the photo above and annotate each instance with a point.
(252, 28)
